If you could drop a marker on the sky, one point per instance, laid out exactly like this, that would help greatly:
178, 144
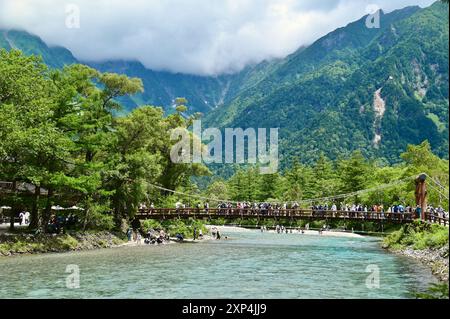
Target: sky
204, 37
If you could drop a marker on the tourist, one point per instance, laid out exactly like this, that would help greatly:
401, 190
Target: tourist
129, 233
21, 218
138, 238
418, 211
27, 218
152, 208
195, 233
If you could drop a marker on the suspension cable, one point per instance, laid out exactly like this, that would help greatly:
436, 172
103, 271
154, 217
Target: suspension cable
380, 187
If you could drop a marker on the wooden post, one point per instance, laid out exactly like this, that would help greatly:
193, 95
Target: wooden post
421, 194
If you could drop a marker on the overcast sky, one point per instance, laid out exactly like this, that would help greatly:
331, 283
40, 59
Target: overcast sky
189, 36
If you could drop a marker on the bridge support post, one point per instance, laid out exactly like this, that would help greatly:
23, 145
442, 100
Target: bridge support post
421, 195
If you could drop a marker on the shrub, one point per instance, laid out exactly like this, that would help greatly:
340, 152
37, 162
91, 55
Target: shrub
418, 235
149, 224
66, 242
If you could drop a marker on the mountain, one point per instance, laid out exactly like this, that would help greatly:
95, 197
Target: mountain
376, 90
161, 88
55, 57
373, 89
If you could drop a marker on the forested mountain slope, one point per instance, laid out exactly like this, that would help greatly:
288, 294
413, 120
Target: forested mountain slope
357, 88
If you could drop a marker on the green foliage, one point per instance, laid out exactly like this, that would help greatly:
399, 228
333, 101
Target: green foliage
151, 224
419, 236
58, 132
346, 175
435, 291
176, 226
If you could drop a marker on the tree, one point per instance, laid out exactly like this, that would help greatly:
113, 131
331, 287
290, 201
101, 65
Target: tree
298, 182
323, 183
420, 159
354, 173
33, 147
135, 159
218, 190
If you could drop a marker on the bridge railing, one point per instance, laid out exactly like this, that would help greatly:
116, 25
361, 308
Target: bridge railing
436, 219
282, 213
6, 185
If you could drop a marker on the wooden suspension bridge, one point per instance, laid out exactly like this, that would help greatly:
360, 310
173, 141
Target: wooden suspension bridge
422, 213
276, 214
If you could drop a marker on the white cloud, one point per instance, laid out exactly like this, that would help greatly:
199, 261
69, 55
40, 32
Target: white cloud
190, 36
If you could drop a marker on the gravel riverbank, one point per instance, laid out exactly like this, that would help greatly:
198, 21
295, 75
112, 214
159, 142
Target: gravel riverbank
436, 259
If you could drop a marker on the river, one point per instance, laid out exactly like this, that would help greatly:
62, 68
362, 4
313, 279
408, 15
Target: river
250, 264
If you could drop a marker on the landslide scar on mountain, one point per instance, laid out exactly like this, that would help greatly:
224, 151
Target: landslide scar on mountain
379, 106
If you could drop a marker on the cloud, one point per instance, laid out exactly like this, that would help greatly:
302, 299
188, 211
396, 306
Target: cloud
189, 36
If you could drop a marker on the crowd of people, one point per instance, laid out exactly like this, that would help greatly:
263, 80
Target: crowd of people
267, 208
59, 224
280, 229
151, 238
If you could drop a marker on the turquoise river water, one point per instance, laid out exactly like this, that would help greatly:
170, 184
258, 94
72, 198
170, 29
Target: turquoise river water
250, 264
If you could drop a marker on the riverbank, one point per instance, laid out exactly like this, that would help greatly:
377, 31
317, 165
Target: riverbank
435, 259
19, 244
425, 243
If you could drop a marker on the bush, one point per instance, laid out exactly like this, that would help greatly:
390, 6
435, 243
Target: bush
418, 235
150, 224
435, 291
66, 242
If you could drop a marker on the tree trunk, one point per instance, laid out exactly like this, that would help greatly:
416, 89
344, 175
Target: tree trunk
117, 210
13, 206
34, 217
48, 209
87, 210
89, 156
